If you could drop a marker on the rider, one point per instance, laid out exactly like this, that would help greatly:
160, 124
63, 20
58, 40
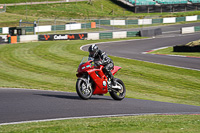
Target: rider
100, 58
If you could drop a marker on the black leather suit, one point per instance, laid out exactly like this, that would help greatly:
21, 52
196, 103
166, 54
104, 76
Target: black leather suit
102, 59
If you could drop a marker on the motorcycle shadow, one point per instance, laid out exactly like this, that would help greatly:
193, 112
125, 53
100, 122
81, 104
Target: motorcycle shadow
75, 97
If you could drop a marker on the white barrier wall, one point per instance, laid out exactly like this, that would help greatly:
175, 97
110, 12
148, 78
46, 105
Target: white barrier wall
120, 34
28, 38
186, 30
5, 30
144, 21
93, 36
117, 22
169, 20
45, 28
72, 26
191, 18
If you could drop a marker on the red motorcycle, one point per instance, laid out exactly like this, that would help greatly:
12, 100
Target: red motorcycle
92, 81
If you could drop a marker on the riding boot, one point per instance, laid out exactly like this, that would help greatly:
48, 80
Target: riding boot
112, 79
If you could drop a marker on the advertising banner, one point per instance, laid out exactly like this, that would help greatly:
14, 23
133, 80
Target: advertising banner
53, 37
45, 37
81, 36
62, 37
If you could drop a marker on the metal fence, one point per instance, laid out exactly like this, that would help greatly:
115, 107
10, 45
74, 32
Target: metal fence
59, 25
106, 25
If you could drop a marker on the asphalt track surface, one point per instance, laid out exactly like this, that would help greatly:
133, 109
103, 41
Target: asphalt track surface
22, 105
134, 49
28, 105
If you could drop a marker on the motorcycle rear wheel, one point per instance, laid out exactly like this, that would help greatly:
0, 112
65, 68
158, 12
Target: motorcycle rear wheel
82, 90
118, 94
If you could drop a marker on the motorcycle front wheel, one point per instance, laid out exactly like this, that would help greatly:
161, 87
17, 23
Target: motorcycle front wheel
82, 90
118, 94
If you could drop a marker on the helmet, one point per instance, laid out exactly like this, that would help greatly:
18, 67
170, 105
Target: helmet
93, 50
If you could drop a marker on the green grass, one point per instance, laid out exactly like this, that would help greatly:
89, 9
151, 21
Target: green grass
52, 66
98, 8
139, 124
79, 10
70, 10
12, 20
169, 51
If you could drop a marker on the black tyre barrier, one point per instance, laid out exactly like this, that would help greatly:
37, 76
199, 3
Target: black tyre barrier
1, 40
151, 32
184, 48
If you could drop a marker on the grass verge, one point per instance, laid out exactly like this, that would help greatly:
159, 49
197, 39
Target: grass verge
169, 51
52, 66
77, 10
98, 8
141, 124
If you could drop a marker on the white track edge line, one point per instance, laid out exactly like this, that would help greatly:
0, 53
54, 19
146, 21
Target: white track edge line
100, 116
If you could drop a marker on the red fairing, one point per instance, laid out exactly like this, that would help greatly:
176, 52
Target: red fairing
98, 79
84, 67
116, 68
97, 75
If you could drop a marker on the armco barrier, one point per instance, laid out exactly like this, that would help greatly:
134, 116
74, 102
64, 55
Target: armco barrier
28, 38
29, 29
72, 26
197, 28
191, 18
157, 21
144, 21
120, 34
57, 27
93, 36
186, 30
151, 32
180, 19
86, 25
45, 28
132, 33
169, 20
117, 22
106, 22
76, 26
107, 35
5, 30
81, 36
131, 22
149, 21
